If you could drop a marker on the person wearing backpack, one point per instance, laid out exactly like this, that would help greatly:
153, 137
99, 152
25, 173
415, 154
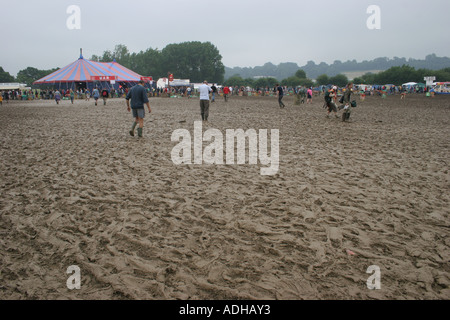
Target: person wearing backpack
329, 95
214, 91
347, 103
105, 95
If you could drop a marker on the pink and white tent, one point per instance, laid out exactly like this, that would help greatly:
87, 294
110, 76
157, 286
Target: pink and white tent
84, 70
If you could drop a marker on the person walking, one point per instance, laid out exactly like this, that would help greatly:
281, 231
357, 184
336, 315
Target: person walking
302, 95
57, 96
204, 91
348, 105
72, 95
188, 92
95, 95
6, 96
214, 91
309, 95
138, 96
403, 93
280, 95
226, 92
331, 106
105, 95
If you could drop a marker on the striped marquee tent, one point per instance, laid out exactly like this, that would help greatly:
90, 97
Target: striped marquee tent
85, 73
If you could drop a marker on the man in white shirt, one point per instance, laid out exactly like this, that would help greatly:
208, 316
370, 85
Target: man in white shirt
204, 90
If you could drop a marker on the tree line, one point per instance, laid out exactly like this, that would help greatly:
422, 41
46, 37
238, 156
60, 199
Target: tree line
28, 75
313, 70
395, 75
299, 79
399, 75
192, 60
200, 61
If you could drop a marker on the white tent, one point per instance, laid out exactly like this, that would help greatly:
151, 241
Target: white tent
162, 83
409, 84
13, 86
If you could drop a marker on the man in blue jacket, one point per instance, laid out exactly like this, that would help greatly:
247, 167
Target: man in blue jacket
138, 96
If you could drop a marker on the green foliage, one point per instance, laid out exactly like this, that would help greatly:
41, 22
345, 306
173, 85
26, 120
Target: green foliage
194, 60
339, 80
296, 82
300, 74
30, 74
306, 83
5, 76
442, 75
234, 81
148, 63
291, 82
323, 80
313, 70
265, 82
279, 72
240, 82
403, 74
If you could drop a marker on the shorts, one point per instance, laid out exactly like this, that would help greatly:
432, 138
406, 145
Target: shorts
138, 113
331, 107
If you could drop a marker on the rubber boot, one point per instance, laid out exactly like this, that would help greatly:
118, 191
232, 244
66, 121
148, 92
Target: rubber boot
344, 116
348, 116
132, 129
139, 130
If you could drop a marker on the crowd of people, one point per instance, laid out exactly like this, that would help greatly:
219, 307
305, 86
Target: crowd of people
301, 94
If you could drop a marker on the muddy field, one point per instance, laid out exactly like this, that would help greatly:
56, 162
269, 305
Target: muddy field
78, 190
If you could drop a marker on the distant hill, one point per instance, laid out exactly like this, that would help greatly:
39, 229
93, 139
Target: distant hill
351, 68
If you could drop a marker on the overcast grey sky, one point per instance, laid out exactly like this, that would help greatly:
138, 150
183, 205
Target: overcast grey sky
246, 32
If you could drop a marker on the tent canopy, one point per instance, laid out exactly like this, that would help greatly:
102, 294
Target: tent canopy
13, 86
83, 70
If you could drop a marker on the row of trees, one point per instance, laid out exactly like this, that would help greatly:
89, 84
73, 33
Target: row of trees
299, 79
193, 60
28, 75
200, 61
403, 74
394, 75
5, 76
313, 70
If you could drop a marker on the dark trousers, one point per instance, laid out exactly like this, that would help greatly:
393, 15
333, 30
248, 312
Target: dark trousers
204, 109
281, 102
